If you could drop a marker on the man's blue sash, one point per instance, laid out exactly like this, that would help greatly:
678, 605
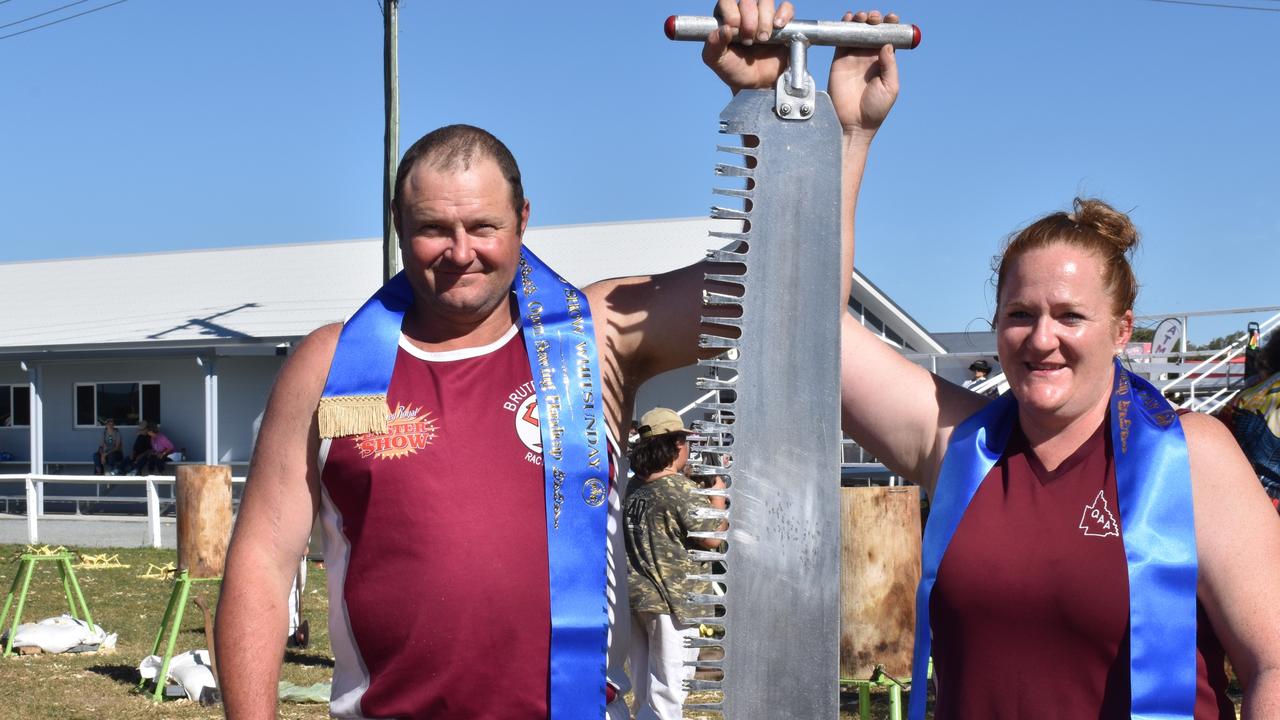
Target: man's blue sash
560, 342
1153, 486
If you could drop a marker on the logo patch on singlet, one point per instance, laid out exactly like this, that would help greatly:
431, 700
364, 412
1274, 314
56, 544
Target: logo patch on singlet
522, 403
408, 431
1097, 520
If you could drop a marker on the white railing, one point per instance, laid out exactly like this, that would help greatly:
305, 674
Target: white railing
1213, 365
35, 497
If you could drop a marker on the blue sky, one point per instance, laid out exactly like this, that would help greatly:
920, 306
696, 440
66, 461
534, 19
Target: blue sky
158, 125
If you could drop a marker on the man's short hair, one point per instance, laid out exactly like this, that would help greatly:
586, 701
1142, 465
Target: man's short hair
456, 147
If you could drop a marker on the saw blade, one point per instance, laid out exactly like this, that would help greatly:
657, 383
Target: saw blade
773, 425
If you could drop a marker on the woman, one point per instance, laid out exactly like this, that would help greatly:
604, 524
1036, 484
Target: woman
108, 456
1062, 513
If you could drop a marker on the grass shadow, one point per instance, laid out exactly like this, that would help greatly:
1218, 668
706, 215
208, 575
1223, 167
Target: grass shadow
297, 658
124, 674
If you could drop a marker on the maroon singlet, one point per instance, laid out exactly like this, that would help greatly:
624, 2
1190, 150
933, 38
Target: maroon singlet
438, 566
1030, 610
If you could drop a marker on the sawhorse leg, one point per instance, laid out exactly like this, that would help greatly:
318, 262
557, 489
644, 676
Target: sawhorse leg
171, 624
25, 569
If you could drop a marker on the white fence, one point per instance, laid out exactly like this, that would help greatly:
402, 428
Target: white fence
35, 497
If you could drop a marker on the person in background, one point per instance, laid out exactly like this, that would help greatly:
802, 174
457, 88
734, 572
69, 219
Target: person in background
141, 454
662, 513
1254, 418
980, 369
161, 448
109, 455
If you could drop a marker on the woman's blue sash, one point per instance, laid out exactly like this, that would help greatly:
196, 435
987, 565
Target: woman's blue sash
560, 342
1153, 485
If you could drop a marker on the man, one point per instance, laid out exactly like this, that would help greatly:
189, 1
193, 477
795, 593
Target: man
660, 516
980, 370
439, 577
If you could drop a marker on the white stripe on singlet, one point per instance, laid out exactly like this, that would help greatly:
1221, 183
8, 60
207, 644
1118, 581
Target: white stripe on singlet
350, 676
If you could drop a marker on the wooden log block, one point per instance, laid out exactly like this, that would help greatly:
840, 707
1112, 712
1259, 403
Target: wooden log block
880, 551
204, 518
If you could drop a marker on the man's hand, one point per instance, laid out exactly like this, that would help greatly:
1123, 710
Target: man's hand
864, 83
744, 64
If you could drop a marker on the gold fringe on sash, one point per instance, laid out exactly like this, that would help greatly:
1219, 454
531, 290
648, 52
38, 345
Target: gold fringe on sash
352, 415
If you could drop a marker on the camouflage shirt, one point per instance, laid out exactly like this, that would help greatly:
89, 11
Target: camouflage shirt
659, 515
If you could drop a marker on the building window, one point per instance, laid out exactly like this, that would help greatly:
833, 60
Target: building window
125, 402
15, 405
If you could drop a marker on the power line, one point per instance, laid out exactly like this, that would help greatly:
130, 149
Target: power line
46, 12
1218, 5
62, 20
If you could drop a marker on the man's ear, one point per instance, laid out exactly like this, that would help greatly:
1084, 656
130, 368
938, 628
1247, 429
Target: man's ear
524, 217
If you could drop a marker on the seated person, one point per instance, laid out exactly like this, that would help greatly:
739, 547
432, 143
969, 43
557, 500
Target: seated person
108, 456
141, 450
161, 447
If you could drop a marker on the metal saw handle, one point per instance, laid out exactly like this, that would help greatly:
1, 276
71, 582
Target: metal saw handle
816, 32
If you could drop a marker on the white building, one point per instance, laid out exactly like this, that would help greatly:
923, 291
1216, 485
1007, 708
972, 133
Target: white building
193, 339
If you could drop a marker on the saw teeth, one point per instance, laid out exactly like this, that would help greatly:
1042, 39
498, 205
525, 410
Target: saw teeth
731, 192
715, 406
704, 469
714, 535
701, 642
706, 556
708, 577
711, 427
726, 235
737, 150
726, 278
704, 685
726, 256
715, 342
725, 170
704, 383
722, 213
714, 298
725, 321
718, 362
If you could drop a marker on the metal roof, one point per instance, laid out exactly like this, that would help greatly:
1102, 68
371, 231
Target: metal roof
247, 297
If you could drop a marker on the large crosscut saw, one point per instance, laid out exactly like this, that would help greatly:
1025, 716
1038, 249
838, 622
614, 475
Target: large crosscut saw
773, 430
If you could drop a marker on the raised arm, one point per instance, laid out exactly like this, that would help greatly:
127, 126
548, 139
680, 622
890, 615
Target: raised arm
271, 532
1238, 541
652, 323
897, 410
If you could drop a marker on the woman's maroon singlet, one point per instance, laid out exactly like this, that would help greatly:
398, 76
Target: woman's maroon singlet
1030, 610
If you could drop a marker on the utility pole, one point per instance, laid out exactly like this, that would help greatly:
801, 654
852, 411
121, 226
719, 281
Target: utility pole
391, 138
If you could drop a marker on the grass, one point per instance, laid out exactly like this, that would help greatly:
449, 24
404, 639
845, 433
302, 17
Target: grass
74, 686
84, 686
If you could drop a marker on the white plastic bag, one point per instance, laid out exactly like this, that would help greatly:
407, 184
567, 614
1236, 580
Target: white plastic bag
60, 634
190, 670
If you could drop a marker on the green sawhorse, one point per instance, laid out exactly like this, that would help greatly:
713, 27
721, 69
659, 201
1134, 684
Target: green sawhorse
171, 622
881, 679
26, 567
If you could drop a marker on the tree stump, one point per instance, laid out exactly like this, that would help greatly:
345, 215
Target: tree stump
880, 552
204, 518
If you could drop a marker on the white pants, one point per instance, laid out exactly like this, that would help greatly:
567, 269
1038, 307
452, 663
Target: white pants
295, 596
657, 658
